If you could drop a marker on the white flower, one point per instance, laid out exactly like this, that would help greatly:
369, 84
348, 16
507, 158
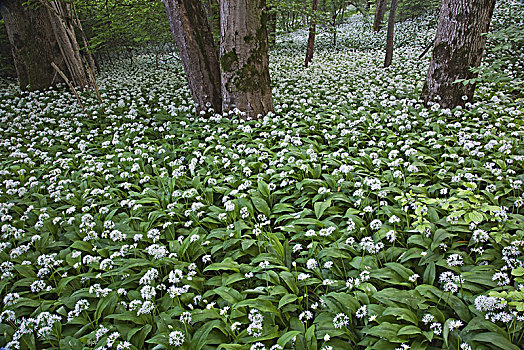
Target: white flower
176, 338
455, 260
454, 324
361, 312
340, 320
413, 278
185, 317
311, 264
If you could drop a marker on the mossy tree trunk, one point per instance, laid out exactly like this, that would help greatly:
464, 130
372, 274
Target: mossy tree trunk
33, 44
389, 36
380, 10
244, 57
194, 40
311, 38
459, 45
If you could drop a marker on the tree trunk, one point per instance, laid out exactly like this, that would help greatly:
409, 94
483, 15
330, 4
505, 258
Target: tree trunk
42, 33
311, 37
197, 50
389, 37
244, 58
33, 44
61, 17
379, 14
334, 24
87, 53
459, 45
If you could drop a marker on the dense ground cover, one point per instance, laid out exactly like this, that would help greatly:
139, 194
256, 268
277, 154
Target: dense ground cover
352, 215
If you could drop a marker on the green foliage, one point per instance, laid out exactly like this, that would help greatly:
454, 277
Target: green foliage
352, 217
415, 8
117, 25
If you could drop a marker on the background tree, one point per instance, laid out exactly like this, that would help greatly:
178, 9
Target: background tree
311, 38
197, 50
244, 58
390, 34
380, 10
459, 45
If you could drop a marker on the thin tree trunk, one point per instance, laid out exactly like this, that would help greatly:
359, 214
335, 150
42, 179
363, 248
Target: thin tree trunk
197, 50
311, 37
389, 37
87, 53
459, 45
379, 14
61, 17
33, 44
334, 24
244, 58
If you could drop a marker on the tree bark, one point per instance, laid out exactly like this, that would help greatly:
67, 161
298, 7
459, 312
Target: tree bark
197, 50
42, 33
61, 17
311, 37
244, 57
33, 44
379, 14
459, 45
389, 37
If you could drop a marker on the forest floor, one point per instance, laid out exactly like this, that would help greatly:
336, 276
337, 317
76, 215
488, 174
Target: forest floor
350, 215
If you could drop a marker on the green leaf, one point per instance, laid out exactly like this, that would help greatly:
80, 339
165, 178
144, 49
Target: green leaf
403, 271
70, 343
311, 340
341, 302
263, 189
286, 337
200, 337
518, 272
290, 281
261, 205
499, 341
286, 299
429, 273
276, 245
320, 208
228, 294
475, 216
226, 264
384, 330
401, 314
409, 330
